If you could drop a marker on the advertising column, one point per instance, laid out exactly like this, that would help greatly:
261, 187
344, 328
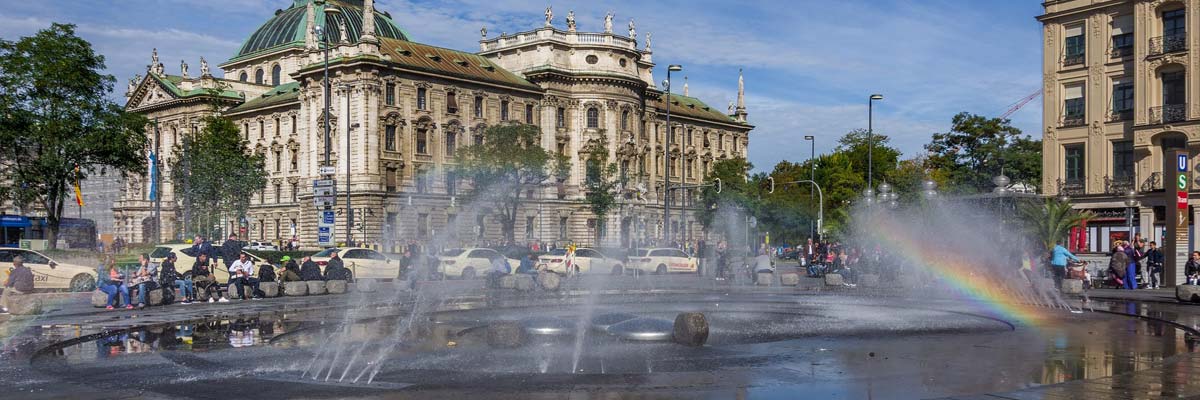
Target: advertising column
1175, 241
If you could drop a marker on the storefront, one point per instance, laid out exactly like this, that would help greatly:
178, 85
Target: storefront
13, 228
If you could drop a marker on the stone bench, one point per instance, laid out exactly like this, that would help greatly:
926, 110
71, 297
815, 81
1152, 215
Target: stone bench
295, 288
335, 287
764, 278
810, 283
834, 280
364, 286
24, 304
100, 299
1188, 293
789, 279
547, 280
868, 280
269, 289
315, 287
1072, 286
508, 282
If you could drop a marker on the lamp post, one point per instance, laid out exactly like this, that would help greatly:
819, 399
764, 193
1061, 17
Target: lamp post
667, 158
1131, 204
345, 88
870, 137
812, 175
887, 197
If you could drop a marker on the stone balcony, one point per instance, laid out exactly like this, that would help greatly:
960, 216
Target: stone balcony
505, 41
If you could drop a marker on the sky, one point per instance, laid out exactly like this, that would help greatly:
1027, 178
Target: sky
809, 65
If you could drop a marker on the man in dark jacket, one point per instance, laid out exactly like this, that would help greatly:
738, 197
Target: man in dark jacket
1154, 264
231, 250
335, 269
1191, 270
310, 271
203, 279
290, 271
20, 281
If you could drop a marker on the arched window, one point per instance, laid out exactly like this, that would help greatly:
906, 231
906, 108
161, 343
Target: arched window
593, 117
275, 73
258, 76
422, 147
625, 120
243, 77
450, 143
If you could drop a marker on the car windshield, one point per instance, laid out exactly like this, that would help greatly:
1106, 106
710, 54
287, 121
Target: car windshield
558, 252
640, 252
326, 252
160, 252
452, 252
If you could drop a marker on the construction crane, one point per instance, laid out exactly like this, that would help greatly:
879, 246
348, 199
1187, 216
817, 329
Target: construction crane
1021, 103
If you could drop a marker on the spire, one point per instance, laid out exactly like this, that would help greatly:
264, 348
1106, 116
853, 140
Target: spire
310, 17
740, 112
685, 86
368, 25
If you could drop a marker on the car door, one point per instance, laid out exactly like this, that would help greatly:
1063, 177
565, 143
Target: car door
44, 277
481, 260
378, 264
356, 261
587, 260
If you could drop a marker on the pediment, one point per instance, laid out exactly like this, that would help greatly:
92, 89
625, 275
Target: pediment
149, 92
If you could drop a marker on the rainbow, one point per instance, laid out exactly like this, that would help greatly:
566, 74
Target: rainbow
1004, 297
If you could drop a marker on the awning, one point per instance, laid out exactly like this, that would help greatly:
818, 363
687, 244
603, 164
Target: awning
14, 221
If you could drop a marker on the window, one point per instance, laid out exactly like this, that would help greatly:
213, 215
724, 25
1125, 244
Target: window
504, 110
278, 160
451, 183
295, 159
478, 138
688, 169
389, 138
721, 141
1073, 106
562, 227
275, 75
422, 182
293, 124
1173, 88
389, 94
529, 227
1122, 99
480, 229
1174, 24
277, 124
423, 225
478, 107
593, 117
450, 143
560, 118
625, 120
420, 98
258, 76
246, 131
592, 59
1073, 155
243, 77
295, 192
421, 144
1122, 45
451, 102
592, 172
688, 138
1123, 159
1075, 45
389, 179
529, 114
278, 193
262, 130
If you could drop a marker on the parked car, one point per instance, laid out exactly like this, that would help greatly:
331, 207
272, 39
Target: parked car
470, 262
47, 273
262, 246
184, 261
661, 261
362, 262
587, 261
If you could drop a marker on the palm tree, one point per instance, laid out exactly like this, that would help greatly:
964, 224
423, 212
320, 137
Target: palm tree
1050, 222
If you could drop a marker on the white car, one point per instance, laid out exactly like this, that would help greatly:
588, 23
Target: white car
48, 274
184, 262
662, 261
587, 261
470, 262
262, 246
362, 262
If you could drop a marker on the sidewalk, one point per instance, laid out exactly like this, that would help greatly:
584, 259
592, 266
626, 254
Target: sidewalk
1166, 295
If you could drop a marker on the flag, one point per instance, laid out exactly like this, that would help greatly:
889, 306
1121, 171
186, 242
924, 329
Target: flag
153, 176
78, 190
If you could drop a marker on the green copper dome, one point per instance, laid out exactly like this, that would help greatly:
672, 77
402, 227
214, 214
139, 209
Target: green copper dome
288, 27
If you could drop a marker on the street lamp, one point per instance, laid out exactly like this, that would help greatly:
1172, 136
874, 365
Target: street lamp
870, 136
1131, 204
667, 158
929, 189
812, 175
887, 197
345, 88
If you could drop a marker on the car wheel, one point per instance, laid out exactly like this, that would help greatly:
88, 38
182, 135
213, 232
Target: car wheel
618, 270
468, 273
83, 283
661, 270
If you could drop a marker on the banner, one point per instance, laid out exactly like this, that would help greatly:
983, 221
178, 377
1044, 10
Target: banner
78, 190
153, 176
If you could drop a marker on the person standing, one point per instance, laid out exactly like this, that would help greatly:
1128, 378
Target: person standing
1154, 264
20, 281
1058, 262
201, 246
231, 251
1131, 269
241, 273
1117, 264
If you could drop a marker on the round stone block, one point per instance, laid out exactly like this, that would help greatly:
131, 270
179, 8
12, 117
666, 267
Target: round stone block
1072, 286
24, 305
295, 288
315, 287
508, 282
764, 278
270, 289
834, 280
789, 279
335, 287
549, 280
1190, 293
100, 299
506, 334
691, 329
154, 297
868, 280
363, 286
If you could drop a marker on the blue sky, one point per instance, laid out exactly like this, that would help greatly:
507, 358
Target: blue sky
809, 64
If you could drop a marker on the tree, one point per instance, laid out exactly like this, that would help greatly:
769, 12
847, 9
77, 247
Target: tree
856, 147
508, 162
215, 172
56, 116
791, 210
600, 183
737, 193
1049, 222
977, 147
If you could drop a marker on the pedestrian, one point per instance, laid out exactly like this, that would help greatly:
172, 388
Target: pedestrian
170, 278
1154, 264
143, 279
310, 271
702, 255
201, 246
1058, 262
241, 273
203, 279
1191, 270
231, 251
1117, 264
110, 281
20, 281
1131, 270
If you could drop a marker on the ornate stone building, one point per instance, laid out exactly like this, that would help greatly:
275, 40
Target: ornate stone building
399, 110
1119, 92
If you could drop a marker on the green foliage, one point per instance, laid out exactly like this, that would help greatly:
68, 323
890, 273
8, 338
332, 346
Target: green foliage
215, 172
1049, 222
509, 161
736, 191
856, 146
600, 182
55, 115
975, 149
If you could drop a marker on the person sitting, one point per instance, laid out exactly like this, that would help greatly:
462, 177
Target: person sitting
143, 279
203, 279
527, 265
111, 282
499, 268
170, 278
310, 271
290, 271
1191, 270
335, 270
267, 274
241, 273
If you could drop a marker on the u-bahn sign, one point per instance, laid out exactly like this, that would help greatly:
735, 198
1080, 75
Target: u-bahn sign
1175, 240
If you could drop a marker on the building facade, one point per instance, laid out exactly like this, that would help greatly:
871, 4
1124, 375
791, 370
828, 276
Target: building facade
399, 111
1119, 92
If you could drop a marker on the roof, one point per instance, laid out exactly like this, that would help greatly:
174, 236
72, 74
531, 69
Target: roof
172, 82
450, 62
288, 27
692, 107
281, 94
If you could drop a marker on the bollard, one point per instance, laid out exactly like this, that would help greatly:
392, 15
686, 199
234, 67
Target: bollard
691, 329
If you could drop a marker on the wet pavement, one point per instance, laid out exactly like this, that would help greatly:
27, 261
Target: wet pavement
771, 342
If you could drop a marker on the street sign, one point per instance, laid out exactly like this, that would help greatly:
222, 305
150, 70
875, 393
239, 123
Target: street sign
324, 236
323, 183
328, 170
327, 218
324, 192
324, 201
